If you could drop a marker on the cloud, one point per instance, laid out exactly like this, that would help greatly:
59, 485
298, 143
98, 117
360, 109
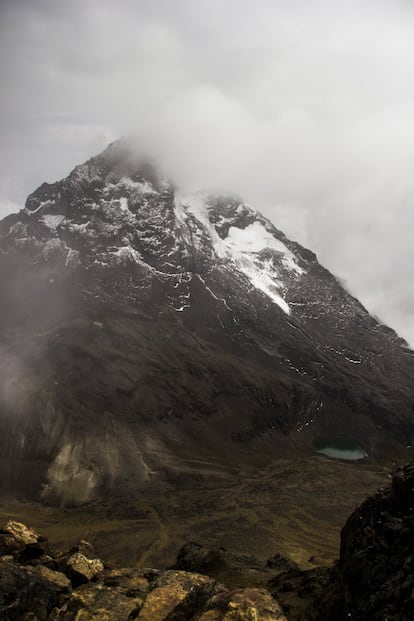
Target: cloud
305, 108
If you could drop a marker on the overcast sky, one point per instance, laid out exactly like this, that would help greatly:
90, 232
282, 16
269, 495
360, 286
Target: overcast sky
304, 107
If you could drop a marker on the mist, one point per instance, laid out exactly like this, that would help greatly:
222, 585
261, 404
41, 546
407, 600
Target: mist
303, 108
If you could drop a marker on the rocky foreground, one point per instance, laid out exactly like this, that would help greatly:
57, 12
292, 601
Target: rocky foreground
373, 579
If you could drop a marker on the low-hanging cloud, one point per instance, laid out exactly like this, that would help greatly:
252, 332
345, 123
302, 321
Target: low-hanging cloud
304, 108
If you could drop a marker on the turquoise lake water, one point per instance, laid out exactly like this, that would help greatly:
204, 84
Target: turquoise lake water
340, 448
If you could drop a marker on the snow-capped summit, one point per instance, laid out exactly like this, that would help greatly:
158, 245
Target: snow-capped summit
156, 318
114, 210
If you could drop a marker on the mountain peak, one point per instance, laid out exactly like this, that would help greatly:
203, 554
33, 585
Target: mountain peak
116, 209
203, 319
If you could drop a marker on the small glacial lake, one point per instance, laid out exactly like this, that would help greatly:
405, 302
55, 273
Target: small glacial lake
340, 448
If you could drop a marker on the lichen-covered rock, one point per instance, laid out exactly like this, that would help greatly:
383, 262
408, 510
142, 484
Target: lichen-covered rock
81, 569
76, 586
131, 582
55, 578
26, 590
98, 602
242, 605
20, 532
23, 544
9, 546
15, 537
85, 548
178, 595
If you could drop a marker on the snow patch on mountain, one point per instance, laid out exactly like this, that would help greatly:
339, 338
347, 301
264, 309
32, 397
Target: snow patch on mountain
256, 237
263, 277
128, 252
242, 246
126, 183
123, 203
47, 203
130, 221
52, 221
72, 258
211, 292
81, 229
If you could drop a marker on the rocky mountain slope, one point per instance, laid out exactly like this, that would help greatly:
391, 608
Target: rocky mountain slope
137, 323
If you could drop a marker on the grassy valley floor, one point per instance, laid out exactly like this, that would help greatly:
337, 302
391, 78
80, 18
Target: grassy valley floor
295, 507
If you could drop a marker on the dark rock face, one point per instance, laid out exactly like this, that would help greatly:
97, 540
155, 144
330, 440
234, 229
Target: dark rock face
194, 557
303, 594
135, 322
25, 590
374, 577
232, 569
376, 567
